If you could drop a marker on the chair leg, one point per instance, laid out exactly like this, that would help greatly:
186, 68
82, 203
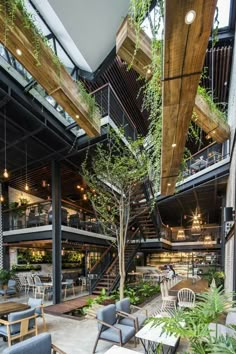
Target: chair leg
96, 343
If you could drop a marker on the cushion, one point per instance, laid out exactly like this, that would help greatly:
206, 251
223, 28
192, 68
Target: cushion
123, 305
15, 328
128, 322
231, 318
114, 336
35, 303
40, 344
107, 314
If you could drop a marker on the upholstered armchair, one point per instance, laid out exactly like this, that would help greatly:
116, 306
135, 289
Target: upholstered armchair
110, 330
123, 307
37, 305
36, 345
18, 325
11, 288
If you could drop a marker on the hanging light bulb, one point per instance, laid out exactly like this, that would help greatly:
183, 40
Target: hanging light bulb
5, 172
26, 171
1, 198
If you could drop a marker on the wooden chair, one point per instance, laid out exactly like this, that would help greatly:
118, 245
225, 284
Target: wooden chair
18, 325
37, 305
37, 345
186, 298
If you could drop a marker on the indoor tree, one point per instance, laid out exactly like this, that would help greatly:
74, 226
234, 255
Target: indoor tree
113, 174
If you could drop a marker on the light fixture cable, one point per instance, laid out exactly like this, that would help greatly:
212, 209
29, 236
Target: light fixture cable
5, 173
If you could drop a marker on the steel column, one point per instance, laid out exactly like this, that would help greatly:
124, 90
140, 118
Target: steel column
56, 231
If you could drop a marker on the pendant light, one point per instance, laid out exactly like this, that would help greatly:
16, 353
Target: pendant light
26, 172
181, 235
5, 172
196, 224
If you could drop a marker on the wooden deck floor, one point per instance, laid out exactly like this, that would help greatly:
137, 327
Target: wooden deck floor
68, 306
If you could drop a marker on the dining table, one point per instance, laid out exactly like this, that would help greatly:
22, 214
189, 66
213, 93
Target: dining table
12, 306
198, 286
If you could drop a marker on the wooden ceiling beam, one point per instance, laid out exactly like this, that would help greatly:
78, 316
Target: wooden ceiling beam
47, 71
184, 53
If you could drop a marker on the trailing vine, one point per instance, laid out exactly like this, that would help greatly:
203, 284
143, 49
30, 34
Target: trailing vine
89, 101
206, 94
9, 9
151, 90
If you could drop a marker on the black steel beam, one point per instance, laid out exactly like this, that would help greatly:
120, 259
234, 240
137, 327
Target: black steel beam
56, 231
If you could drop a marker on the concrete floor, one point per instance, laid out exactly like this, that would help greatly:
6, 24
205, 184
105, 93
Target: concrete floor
78, 336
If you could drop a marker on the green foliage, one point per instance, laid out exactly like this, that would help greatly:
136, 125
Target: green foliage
113, 172
151, 90
9, 8
193, 324
213, 106
26, 267
217, 275
6, 275
89, 101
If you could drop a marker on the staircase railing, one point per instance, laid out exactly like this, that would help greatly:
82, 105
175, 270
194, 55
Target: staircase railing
115, 281
162, 230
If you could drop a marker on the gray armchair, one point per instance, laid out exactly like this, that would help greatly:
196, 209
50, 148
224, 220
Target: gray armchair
123, 307
18, 325
36, 345
11, 288
110, 330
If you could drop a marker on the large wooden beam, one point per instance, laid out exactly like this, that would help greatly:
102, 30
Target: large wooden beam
215, 127
206, 119
126, 48
184, 53
52, 76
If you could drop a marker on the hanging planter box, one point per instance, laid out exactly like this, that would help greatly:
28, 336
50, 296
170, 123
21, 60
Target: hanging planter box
210, 121
126, 44
51, 75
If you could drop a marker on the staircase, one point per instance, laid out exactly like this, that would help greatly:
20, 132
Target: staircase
110, 278
148, 225
146, 217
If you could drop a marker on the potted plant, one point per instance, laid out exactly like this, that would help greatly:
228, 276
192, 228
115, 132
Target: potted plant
5, 275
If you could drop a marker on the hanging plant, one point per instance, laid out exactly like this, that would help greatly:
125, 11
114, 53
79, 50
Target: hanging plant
151, 90
89, 100
9, 9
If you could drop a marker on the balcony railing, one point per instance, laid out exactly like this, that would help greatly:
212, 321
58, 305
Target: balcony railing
204, 158
40, 214
208, 235
111, 106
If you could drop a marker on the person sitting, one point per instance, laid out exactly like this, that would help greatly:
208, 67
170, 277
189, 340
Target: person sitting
171, 272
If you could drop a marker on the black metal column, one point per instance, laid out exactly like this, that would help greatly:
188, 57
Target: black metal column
56, 231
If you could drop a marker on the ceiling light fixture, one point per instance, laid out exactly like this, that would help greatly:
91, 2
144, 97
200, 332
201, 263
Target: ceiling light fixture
1, 198
168, 184
181, 234
5, 172
196, 224
173, 145
18, 52
190, 17
149, 71
77, 116
26, 171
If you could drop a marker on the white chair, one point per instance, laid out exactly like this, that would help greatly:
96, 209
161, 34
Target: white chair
69, 285
167, 300
186, 298
31, 285
23, 282
83, 281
